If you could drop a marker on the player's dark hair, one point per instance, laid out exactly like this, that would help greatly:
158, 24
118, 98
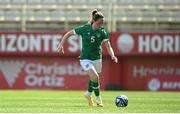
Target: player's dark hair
96, 15
94, 11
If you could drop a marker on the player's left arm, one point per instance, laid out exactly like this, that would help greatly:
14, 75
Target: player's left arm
110, 51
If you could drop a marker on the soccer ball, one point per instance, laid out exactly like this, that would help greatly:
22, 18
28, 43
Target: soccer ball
121, 101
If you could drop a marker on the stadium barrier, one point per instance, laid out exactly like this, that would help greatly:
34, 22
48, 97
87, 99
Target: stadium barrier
147, 61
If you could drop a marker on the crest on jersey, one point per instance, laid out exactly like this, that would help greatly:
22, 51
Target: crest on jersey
98, 35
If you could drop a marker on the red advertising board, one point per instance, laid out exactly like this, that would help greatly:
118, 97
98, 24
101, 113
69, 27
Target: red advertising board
44, 73
151, 73
146, 43
123, 43
147, 61
38, 44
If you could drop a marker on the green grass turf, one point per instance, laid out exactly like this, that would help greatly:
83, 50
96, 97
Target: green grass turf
73, 101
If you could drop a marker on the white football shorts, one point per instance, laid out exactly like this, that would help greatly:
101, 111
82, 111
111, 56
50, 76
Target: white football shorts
87, 64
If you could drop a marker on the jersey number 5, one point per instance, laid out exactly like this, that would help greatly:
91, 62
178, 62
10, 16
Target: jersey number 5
92, 39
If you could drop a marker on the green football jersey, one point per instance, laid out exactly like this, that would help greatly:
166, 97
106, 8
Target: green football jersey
91, 41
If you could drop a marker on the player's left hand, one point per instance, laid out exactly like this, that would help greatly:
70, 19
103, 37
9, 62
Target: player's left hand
114, 58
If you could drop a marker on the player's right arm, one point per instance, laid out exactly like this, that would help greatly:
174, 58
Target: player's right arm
65, 37
76, 31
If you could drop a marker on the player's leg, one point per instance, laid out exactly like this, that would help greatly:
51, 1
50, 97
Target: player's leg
98, 67
94, 77
90, 89
87, 65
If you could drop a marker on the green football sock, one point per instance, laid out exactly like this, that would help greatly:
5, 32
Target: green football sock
96, 88
90, 84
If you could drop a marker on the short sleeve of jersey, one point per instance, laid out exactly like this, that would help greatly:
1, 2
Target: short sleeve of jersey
105, 35
78, 30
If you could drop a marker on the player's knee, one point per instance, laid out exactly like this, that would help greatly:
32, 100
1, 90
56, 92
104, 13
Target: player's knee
95, 78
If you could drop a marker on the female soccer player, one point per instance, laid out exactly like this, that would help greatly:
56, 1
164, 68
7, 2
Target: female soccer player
93, 35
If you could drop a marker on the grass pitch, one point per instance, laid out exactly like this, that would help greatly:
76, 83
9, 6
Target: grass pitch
74, 101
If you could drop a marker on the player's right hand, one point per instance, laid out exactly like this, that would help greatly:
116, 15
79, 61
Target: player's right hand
60, 48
